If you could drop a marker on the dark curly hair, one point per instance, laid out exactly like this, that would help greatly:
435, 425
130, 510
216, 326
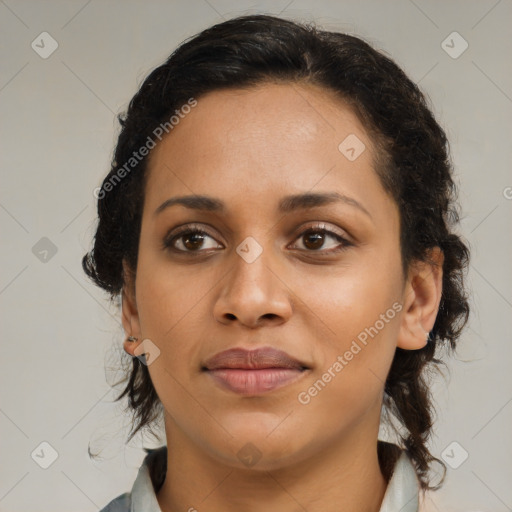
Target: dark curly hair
411, 159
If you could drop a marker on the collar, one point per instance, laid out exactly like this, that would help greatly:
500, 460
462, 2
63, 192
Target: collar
402, 492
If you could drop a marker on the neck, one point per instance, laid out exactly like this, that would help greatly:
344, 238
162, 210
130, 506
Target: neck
346, 476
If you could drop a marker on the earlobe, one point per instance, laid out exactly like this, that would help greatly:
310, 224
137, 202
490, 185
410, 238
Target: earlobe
412, 336
422, 297
131, 345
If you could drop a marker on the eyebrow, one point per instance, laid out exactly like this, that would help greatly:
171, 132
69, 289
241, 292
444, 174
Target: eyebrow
286, 204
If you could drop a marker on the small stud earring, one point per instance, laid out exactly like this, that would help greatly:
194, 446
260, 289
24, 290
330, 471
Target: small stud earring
131, 338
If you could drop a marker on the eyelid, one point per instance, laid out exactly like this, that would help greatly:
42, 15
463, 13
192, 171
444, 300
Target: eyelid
323, 226
189, 227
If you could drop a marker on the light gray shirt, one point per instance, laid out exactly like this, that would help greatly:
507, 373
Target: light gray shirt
402, 492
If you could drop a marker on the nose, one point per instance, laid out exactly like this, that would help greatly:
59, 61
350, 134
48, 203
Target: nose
253, 294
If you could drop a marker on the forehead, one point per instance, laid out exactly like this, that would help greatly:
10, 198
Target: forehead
258, 142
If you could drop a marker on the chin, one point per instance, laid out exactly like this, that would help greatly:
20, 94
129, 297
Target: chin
257, 449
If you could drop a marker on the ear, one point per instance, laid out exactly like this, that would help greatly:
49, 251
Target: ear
421, 299
131, 322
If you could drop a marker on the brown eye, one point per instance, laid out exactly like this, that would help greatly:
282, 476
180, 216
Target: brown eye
196, 241
315, 238
192, 241
189, 240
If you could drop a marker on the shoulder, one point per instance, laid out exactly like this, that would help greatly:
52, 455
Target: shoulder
402, 492
149, 479
120, 504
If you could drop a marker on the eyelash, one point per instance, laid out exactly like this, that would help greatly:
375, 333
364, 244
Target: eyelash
168, 243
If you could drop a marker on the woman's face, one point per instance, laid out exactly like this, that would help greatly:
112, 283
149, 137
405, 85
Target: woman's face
260, 276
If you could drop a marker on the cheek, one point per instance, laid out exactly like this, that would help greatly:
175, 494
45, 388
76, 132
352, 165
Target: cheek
360, 305
167, 294
355, 357
351, 298
170, 315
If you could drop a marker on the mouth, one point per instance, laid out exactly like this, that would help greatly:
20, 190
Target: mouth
254, 372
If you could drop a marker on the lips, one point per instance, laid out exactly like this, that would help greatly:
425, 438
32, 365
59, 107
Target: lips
254, 372
258, 359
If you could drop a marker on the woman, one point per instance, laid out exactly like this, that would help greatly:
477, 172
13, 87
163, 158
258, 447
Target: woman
278, 222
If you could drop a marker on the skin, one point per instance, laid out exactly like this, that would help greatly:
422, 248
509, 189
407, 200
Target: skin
250, 148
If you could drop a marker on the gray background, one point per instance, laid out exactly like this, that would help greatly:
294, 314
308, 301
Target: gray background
60, 337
